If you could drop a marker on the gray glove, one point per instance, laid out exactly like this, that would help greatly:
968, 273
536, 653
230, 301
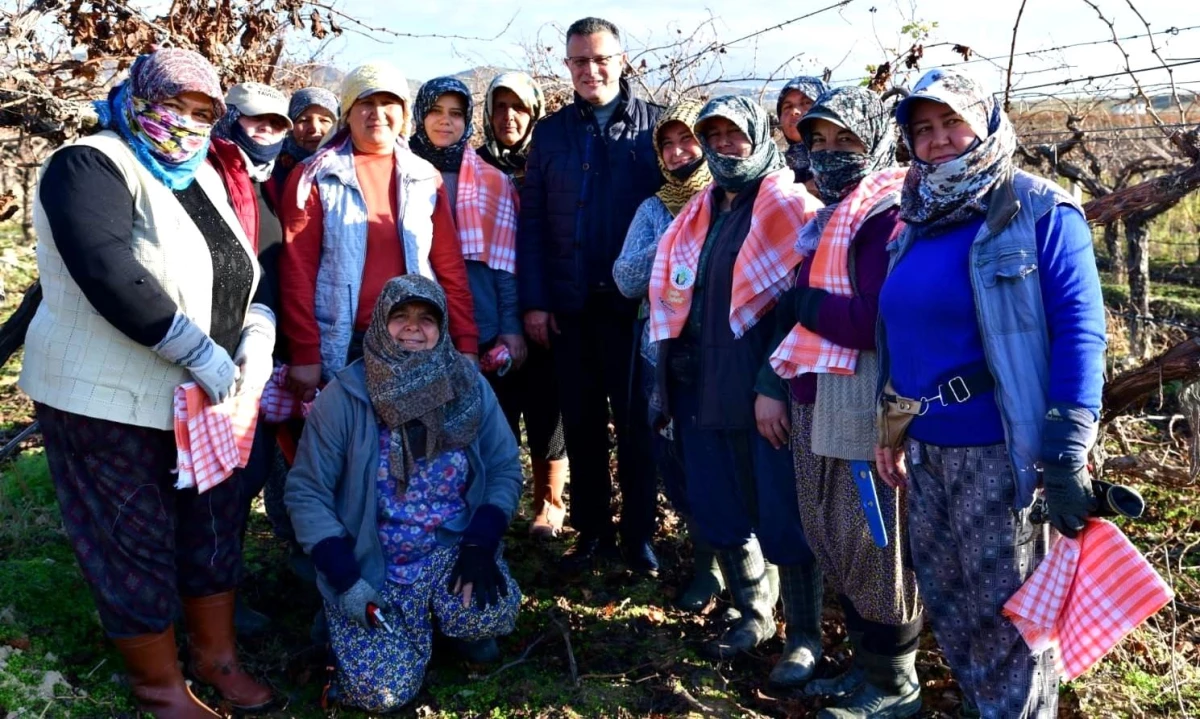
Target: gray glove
254, 352
1068, 492
353, 602
190, 347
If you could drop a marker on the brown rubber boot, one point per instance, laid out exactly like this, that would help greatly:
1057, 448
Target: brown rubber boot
549, 478
158, 686
213, 654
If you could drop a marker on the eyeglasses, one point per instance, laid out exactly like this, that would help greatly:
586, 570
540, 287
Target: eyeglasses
582, 63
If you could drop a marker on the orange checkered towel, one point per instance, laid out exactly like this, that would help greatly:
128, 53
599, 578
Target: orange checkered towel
1085, 596
763, 267
212, 441
803, 350
486, 214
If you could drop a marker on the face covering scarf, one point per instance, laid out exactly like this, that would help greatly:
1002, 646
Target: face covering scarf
939, 196
170, 146
682, 182
737, 173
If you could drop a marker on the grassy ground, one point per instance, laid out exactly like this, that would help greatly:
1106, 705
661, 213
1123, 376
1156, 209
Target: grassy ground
630, 655
605, 644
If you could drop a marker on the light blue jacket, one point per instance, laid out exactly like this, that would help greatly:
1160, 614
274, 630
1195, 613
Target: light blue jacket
344, 241
331, 487
1017, 341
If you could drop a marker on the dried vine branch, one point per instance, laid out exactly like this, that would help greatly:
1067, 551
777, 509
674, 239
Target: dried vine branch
1012, 49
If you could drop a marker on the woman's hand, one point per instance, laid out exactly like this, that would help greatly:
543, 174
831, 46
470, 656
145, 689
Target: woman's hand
771, 416
517, 348
477, 574
890, 464
303, 380
353, 602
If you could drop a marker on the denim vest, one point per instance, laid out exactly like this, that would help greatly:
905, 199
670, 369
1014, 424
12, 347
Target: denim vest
344, 242
1012, 321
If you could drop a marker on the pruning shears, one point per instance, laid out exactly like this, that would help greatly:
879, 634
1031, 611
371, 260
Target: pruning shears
375, 615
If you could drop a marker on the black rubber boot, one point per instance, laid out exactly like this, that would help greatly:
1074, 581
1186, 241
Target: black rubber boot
746, 577
801, 588
845, 683
890, 692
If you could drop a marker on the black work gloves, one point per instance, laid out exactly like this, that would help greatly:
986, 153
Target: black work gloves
1068, 492
1068, 434
476, 567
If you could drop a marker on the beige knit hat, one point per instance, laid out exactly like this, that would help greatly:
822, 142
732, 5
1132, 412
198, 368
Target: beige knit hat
372, 78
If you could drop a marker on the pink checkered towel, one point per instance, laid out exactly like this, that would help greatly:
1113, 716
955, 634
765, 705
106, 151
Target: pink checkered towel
1085, 596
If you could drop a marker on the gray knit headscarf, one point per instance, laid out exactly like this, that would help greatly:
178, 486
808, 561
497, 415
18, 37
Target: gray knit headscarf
437, 388
737, 173
860, 111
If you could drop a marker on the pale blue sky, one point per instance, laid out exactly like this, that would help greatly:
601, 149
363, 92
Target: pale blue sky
846, 39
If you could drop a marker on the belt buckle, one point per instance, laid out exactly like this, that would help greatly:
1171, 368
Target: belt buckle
955, 392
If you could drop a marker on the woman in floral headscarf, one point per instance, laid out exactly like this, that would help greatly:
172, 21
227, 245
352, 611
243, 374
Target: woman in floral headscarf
513, 106
405, 482
828, 357
150, 281
795, 99
684, 171
720, 268
1004, 364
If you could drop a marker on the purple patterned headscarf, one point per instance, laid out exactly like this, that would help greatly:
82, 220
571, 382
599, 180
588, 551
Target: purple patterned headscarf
170, 146
172, 71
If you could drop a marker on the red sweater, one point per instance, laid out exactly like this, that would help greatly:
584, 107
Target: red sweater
302, 230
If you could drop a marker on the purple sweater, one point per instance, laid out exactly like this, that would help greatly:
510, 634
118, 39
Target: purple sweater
846, 321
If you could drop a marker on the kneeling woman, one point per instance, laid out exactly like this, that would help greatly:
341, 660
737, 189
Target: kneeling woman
405, 481
720, 268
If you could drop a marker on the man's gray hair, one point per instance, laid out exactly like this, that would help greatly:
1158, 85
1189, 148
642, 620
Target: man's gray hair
591, 26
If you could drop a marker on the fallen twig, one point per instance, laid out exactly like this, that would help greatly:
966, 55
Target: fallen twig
1174, 635
519, 660
680, 691
89, 674
566, 635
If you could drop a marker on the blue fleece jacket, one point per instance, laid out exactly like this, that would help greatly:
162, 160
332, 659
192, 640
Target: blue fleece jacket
933, 333
331, 490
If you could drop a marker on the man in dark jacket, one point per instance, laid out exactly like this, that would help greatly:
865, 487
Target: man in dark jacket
591, 165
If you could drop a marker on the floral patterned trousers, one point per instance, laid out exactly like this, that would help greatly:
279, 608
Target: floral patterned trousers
380, 671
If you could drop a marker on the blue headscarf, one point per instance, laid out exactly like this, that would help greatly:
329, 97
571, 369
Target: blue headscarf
445, 159
293, 153
301, 100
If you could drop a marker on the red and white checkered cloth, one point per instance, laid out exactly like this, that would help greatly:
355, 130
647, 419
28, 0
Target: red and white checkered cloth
486, 214
212, 441
761, 272
278, 402
1085, 596
804, 351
